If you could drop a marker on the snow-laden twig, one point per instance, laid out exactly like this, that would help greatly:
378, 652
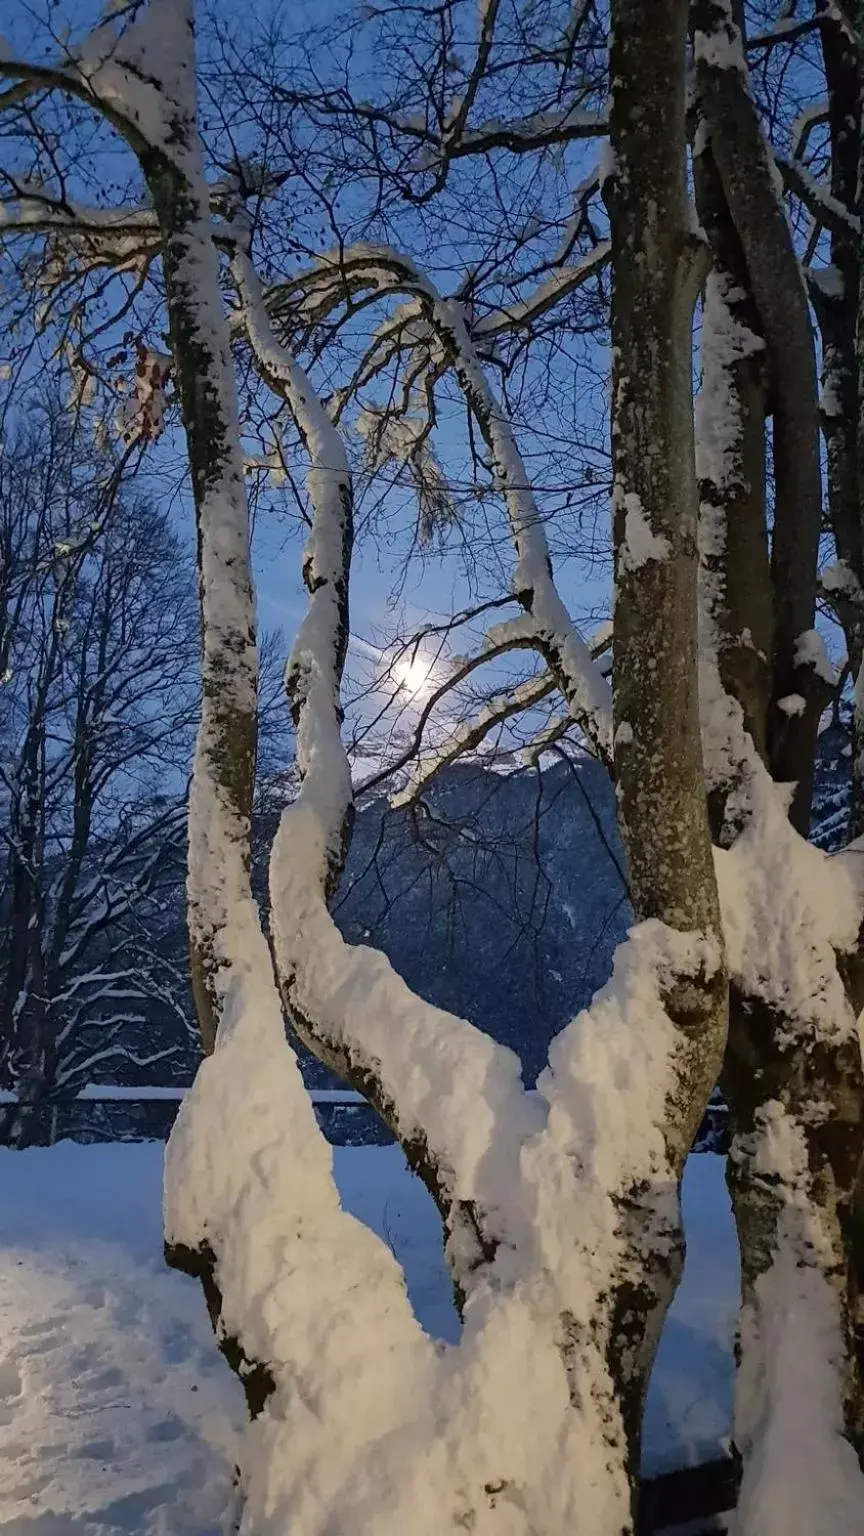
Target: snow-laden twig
499, 641
813, 116
380, 269
584, 688
536, 131
816, 196
34, 209
502, 706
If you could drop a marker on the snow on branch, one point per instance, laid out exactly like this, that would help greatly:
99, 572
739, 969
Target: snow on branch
467, 736
816, 196
841, 590
544, 741
546, 294
339, 276
787, 30
34, 208
500, 707
113, 237
444, 1086
516, 634
812, 117
523, 135
584, 688
76, 1071
134, 75
381, 269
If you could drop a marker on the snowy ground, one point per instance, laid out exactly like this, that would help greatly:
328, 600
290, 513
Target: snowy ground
117, 1414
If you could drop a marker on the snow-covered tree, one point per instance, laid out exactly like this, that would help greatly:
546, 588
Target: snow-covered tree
793, 1069
560, 1207
99, 699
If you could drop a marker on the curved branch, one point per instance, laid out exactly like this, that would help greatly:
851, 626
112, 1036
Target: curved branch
816, 197
467, 736
417, 1064
524, 638
497, 709
555, 287
586, 691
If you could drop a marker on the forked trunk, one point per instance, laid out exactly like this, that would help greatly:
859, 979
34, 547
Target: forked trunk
792, 1074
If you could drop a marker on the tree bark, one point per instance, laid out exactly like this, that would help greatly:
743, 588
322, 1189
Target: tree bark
657, 737
228, 953
745, 166
792, 1073
736, 589
835, 299
223, 779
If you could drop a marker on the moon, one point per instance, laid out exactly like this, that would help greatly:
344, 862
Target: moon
414, 675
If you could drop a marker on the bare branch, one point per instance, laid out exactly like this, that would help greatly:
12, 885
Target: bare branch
466, 737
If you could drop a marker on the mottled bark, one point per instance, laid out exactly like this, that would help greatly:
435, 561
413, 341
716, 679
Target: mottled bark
792, 1072
837, 303
736, 591
220, 800
225, 759
659, 770
773, 1060
745, 166
657, 740
843, 55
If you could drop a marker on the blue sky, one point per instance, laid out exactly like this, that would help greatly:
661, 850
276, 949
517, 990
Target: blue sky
385, 597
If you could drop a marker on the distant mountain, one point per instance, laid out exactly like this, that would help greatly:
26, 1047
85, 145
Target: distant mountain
501, 899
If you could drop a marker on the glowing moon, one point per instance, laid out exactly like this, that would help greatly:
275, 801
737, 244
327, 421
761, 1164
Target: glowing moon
414, 675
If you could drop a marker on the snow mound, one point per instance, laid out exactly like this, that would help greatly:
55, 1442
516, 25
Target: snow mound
118, 1417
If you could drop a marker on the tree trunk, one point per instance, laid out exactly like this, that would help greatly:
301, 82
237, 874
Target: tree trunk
223, 778
736, 590
747, 173
657, 738
230, 961
835, 298
792, 1073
